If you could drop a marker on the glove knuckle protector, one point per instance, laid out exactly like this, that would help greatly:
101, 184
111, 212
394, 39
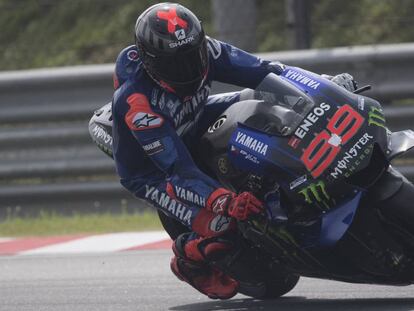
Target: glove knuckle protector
225, 202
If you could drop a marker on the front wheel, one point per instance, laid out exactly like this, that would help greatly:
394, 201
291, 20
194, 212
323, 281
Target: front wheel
278, 288
270, 289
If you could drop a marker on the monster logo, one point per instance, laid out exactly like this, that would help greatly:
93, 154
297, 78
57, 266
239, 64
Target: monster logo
316, 191
376, 117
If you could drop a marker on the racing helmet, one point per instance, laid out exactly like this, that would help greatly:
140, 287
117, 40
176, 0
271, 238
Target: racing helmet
172, 47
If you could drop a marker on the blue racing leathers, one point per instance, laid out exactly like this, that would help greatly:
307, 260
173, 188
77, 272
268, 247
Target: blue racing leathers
152, 128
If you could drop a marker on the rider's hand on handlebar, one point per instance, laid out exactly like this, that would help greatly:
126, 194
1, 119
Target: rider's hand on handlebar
239, 206
276, 67
346, 81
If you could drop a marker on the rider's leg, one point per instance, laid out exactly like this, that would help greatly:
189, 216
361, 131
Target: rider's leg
191, 263
193, 253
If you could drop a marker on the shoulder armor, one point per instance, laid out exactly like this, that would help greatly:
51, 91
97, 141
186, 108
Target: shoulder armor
214, 47
126, 65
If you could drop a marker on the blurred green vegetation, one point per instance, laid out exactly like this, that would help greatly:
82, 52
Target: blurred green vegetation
50, 224
41, 33
354, 22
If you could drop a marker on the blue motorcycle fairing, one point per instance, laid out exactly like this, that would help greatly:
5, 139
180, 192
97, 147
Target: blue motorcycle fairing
306, 81
254, 150
324, 231
311, 137
337, 221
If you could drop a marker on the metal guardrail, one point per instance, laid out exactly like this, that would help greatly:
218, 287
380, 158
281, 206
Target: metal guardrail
47, 160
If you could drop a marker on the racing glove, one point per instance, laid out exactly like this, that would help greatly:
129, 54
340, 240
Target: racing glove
345, 80
239, 206
275, 67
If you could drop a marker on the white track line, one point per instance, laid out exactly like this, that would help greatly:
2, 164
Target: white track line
101, 243
6, 239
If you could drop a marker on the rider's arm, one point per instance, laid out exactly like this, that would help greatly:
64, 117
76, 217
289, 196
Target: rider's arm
185, 192
125, 65
235, 66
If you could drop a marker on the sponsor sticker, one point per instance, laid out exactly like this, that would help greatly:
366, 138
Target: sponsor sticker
326, 145
180, 34
102, 134
251, 143
132, 55
217, 124
361, 103
179, 43
316, 193
249, 157
354, 155
223, 165
219, 223
170, 205
297, 182
214, 47
294, 142
220, 204
140, 116
302, 79
311, 119
189, 196
234, 149
376, 117
154, 147
143, 119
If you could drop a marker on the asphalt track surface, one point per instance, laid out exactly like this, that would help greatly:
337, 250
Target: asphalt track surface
142, 280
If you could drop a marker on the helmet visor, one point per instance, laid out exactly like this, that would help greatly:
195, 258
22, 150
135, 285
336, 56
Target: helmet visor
185, 67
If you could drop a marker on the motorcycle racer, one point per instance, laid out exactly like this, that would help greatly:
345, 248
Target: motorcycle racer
160, 107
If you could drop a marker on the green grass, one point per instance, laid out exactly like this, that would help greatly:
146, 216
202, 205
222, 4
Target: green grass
49, 224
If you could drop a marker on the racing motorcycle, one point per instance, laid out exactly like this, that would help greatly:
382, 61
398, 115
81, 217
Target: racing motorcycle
319, 156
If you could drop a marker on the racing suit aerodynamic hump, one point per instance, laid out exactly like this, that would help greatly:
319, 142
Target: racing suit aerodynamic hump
152, 128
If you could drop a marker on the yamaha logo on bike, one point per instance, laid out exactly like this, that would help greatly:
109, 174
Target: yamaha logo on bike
302, 79
251, 143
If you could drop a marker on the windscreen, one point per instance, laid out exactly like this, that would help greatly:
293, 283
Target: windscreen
291, 105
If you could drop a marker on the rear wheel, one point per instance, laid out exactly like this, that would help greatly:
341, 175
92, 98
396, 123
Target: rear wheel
400, 207
398, 216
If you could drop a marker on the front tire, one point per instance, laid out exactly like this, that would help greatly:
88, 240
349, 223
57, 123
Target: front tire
270, 289
278, 288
